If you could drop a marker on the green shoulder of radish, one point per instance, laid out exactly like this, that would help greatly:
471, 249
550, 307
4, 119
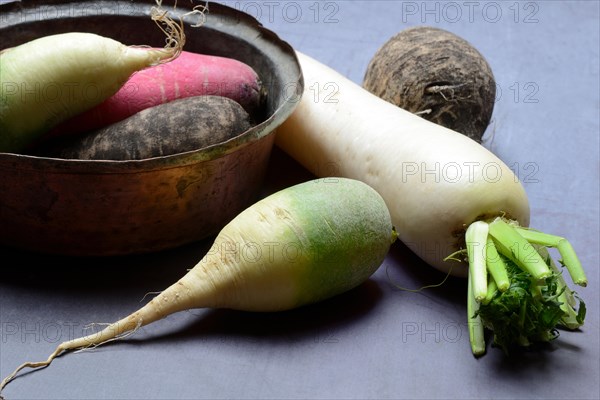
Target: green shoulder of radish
453, 202
298, 246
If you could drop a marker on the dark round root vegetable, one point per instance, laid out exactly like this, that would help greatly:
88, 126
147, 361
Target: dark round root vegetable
181, 125
437, 75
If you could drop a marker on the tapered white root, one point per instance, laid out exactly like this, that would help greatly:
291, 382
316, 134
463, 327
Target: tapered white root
115, 331
39, 364
173, 299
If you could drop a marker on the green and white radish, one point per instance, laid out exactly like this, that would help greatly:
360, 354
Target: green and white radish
439, 185
298, 246
53, 78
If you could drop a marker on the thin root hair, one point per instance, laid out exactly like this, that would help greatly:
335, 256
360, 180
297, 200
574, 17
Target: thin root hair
430, 286
120, 336
174, 30
63, 347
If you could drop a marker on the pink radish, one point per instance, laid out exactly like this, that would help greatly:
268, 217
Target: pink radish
189, 75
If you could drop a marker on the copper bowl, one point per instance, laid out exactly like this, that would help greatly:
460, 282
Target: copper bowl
92, 208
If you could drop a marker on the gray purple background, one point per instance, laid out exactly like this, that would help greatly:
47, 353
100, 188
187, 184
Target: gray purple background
374, 342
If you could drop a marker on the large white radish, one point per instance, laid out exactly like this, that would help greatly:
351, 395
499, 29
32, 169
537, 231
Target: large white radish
436, 182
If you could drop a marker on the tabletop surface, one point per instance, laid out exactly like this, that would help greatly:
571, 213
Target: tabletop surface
376, 341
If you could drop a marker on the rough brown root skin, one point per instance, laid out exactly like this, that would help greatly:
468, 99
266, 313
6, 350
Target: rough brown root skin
180, 125
436, 75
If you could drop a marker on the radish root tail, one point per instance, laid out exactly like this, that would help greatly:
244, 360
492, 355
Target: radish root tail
33, 365
119, 336
174, 30
81, 344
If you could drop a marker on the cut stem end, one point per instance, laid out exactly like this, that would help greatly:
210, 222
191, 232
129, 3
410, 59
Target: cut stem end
524, 297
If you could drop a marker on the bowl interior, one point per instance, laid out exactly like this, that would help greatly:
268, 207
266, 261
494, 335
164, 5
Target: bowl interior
97, 207
226, 32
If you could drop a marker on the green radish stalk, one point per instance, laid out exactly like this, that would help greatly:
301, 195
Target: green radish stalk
50, 79
447, 195
298, 246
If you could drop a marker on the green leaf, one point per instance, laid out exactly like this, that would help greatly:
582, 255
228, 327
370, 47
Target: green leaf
527, 312
581, 312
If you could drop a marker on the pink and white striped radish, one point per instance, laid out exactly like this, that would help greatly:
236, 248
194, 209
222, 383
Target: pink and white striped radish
447, 194
189, 75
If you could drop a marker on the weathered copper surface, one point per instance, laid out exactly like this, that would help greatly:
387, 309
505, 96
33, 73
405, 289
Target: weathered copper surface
78, 207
